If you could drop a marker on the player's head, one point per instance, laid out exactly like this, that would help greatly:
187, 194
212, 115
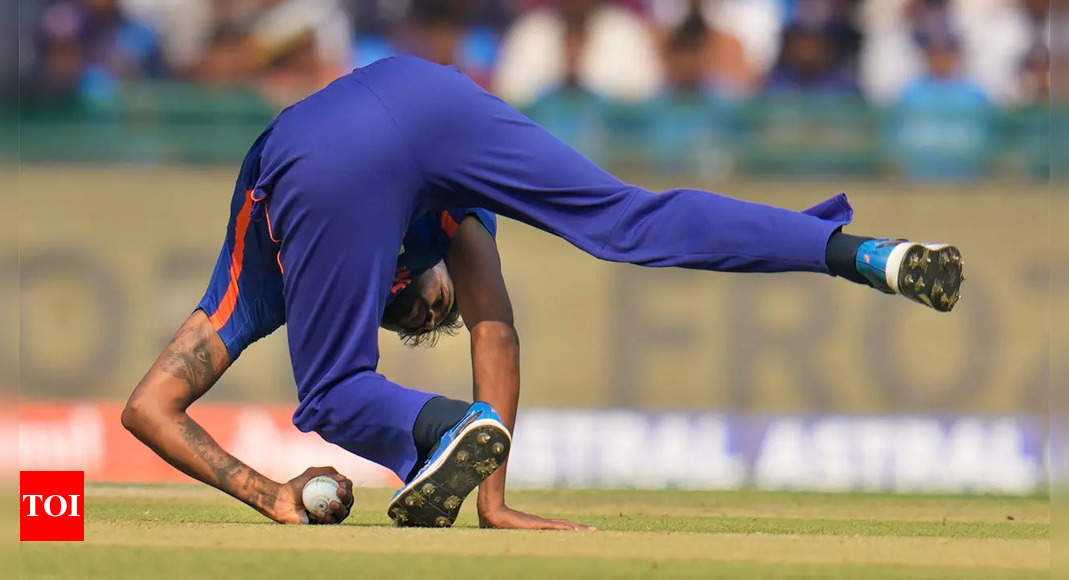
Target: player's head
425, 309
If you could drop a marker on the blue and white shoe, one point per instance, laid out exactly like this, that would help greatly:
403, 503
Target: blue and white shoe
465, 456
927, 273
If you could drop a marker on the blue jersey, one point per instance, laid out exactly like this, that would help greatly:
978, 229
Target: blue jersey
352, 182
244, 300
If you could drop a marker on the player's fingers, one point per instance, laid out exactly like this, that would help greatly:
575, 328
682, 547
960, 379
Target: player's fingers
341, 479
345, 494
325, 519
344, 483
340, 511
570, 526
315, 472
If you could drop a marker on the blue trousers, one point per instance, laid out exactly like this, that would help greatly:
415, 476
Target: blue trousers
335, 180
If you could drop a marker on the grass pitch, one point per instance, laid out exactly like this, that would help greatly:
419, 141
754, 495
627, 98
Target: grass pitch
164, 532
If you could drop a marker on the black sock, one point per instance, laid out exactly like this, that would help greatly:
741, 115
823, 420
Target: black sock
841, 256
437, 416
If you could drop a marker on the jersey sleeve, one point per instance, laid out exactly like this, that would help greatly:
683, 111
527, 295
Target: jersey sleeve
451, 218
427, 242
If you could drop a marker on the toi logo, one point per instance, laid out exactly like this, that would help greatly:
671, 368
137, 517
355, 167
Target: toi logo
51, 506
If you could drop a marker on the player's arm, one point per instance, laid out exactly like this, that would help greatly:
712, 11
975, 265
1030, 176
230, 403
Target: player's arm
475, 267
156, 414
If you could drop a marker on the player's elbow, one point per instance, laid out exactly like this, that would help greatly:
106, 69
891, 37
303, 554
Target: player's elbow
499, 333
140, 414
133, 415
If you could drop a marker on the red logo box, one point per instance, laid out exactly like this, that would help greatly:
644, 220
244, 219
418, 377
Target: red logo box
51, 506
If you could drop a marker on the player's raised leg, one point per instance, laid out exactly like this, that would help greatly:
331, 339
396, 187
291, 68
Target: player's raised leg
478, 150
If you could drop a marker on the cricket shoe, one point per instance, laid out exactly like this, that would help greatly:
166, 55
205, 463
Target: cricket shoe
927, 273
465, 456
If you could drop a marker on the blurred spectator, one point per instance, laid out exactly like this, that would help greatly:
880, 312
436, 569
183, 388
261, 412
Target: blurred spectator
995, 34
616, 54
286, 48
722, 54
437, 29
690, 125
1031, 125
687, 69
942, 128
379, 17
1034, 77
809, 65
88, 47
185, 26
755, 24
838, 20
571, 111
890, 58
998, 35
442, 31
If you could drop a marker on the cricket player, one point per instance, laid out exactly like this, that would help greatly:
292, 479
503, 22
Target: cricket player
371, 203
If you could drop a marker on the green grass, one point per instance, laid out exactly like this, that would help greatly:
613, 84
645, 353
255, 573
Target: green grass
163, 532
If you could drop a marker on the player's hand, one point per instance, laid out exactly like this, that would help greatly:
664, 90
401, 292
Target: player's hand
289, 509
507, 518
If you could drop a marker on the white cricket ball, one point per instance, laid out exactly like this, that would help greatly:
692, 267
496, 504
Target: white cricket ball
317, 495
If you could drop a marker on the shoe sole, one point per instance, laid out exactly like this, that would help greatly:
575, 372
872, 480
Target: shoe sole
931, 275
433, 500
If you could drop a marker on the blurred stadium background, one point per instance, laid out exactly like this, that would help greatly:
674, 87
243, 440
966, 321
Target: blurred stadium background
931, 114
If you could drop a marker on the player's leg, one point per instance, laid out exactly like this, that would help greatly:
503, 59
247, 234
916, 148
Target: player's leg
438, 416
460, 445
442, 449
335, 190
479, 151
339, 188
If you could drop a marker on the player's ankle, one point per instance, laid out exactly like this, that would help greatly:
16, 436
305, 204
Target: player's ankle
841, 256
437, 416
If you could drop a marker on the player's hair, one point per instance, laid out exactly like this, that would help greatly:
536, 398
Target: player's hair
449, 326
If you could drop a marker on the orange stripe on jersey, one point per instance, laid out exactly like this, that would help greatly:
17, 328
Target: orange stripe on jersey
449, 225
221, 316
270, 230
271, 234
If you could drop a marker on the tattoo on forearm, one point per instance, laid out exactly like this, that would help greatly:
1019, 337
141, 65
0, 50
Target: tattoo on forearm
189, 359
226, 469
224, 466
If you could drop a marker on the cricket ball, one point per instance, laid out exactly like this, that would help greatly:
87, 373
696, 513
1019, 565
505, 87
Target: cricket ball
317, 495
